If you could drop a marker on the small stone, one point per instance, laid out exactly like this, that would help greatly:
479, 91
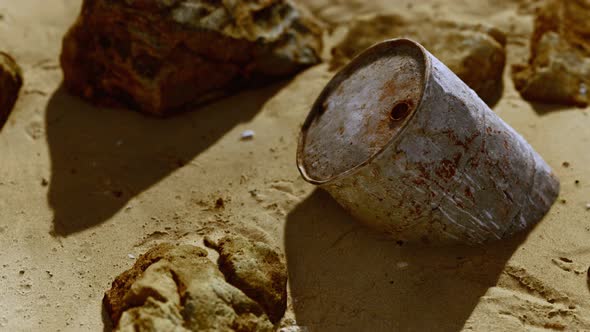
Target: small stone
248, 135
402, 265
293, 328
160, 56
219, 203
476, 53
558, 70
131, 256
10, 83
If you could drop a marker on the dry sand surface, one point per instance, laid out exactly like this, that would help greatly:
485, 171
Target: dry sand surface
84, 190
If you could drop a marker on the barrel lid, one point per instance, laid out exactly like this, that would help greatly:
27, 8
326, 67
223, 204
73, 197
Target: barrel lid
362, 109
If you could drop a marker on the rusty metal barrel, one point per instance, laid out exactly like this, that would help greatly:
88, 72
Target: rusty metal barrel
410, 150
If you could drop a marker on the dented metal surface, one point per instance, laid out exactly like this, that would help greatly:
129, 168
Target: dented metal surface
446, 169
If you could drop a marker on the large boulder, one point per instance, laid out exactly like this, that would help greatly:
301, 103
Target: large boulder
158, 56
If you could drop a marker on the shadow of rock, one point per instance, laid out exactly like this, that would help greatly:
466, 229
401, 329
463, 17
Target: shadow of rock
106, 320
101, 158
344, 277
546, 108
496, 94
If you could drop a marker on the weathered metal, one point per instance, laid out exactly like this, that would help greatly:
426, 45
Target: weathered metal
474, 52
407, 148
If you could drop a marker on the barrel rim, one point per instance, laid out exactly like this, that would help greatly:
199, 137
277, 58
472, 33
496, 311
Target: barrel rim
382, 47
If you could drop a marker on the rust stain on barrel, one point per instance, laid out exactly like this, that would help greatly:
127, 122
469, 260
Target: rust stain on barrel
409, 149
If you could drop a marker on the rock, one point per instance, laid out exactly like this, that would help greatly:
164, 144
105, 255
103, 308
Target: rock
10, 83
256, 268
558, 70
177, 288
476, 53
152, 316
158, 56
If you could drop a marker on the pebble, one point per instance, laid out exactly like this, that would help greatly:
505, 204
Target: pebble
294, 328
248, 134
402, 265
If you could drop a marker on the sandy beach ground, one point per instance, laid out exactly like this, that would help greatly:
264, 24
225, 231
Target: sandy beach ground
84, 190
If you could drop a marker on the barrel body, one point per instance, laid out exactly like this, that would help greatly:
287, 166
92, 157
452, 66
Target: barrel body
453, 172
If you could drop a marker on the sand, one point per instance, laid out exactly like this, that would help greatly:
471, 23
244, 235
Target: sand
84, 190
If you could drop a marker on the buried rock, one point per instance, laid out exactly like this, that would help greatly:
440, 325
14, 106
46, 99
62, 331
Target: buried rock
10, 83
475, 53
158, 56
178, 288
558, 70
257, 269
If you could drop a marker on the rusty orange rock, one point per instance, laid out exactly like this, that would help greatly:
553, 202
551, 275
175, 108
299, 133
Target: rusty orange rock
158, 56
